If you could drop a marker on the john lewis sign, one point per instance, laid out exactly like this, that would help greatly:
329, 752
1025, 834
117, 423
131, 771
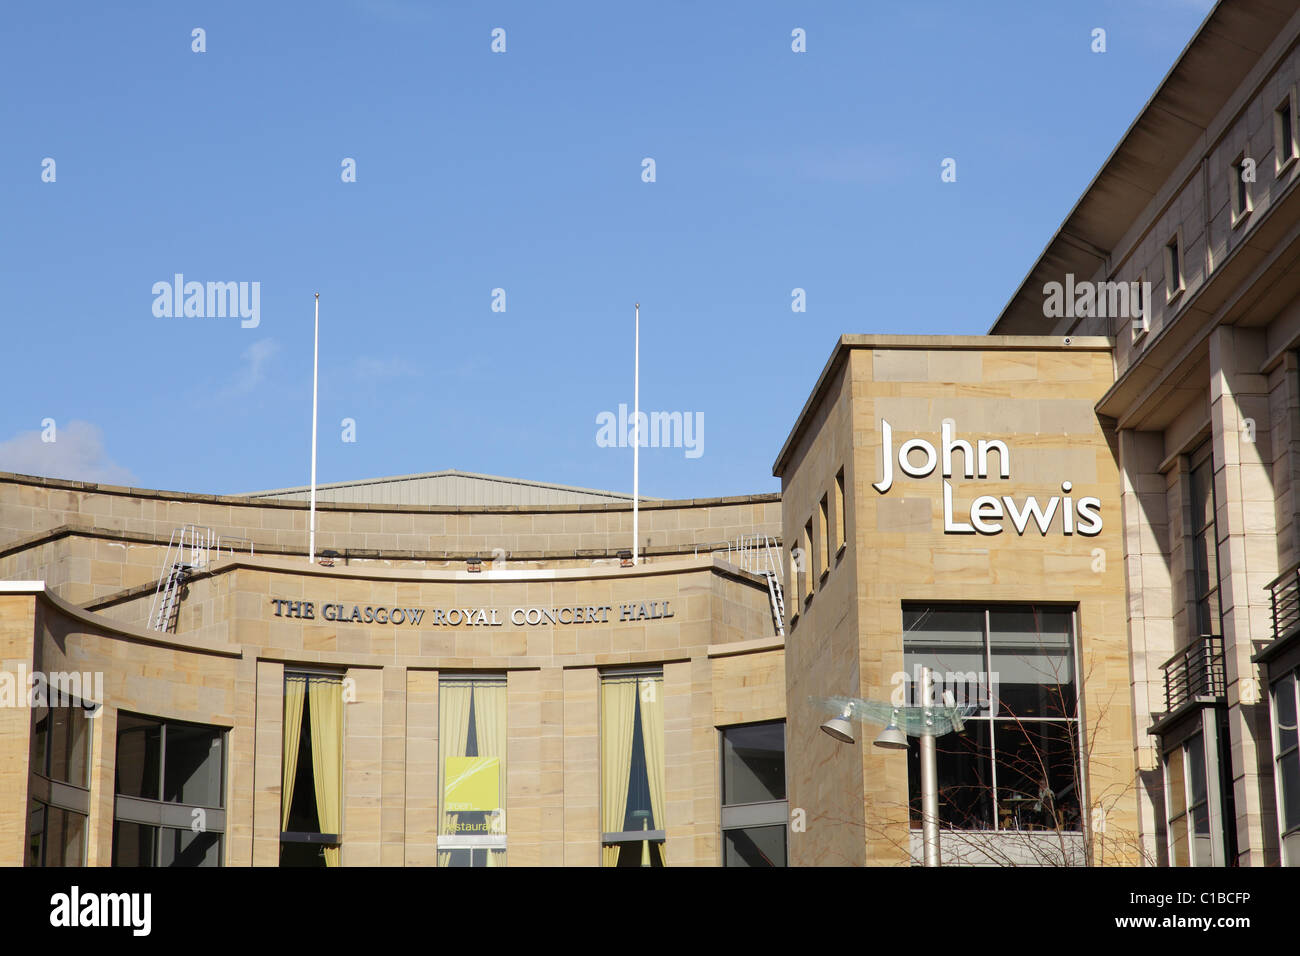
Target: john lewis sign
917, 458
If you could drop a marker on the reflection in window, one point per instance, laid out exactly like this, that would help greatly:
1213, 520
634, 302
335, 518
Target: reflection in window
170, 793
59, 767
754, 807
1188, 808
1016, 765
472, 737
311, 782
632, 770
1287, 763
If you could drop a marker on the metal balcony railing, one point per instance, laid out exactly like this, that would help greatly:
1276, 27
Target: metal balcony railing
1284, 595
1195, 673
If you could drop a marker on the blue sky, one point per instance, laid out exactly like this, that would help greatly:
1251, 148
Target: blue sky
520, 171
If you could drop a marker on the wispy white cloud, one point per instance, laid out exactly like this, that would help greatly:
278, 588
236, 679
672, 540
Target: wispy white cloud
253, 363
76, 453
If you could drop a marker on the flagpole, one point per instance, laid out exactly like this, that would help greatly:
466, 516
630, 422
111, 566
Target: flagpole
636, 443
315, 369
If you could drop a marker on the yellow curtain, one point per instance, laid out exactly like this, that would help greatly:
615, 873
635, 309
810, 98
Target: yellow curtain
325, 703
652, 736
618, 713
453, 734
295, 692
490, 726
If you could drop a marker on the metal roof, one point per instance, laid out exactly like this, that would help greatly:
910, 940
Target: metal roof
448, 487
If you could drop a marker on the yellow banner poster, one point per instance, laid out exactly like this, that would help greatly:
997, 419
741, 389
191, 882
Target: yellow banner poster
472, 784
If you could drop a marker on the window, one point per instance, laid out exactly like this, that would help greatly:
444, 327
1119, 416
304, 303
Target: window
1016, 765
754, 807
632, 769
1240, 188
472, 772
170, 787
1205, 552
794, 579
840, 532
824, 541
1173, 268
1285, 148
59, 786
810, 570
1139, 302
1286, 771
1188, 810
311, 781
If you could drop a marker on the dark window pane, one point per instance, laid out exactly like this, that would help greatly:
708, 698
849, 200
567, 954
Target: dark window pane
965, 768
139, 742
69, 742
641, 854
1037, 784
1032, 661
755, 846
302, 854
192, 770
35, 833
303, 817
753, 763
640, 815
948, 640
134, 844
65, 838
1196, 786
187, 848
1289, 766
40, 740
1284, 701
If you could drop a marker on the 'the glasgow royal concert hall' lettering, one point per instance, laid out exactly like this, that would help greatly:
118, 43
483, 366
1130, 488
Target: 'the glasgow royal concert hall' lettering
987, 512
474, 616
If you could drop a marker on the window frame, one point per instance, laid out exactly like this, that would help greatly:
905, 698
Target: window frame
50, 793
1175, 283
1075, 725
309, 837
161, 814
470, 842
1293, 753
1240, 200
754, 814
1285, 152
622, 838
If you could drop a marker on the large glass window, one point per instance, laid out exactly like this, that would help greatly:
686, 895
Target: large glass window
59, 786
1016, 765
1287, 764
472, 737
1188, 798
1205, 549
311, 784
170, 793
632, 769
754, 807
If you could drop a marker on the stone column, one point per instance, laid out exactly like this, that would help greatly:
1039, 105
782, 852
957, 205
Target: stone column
1246, 528
1143, 497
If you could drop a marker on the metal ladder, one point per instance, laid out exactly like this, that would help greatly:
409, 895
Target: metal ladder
758, 553
187, 551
